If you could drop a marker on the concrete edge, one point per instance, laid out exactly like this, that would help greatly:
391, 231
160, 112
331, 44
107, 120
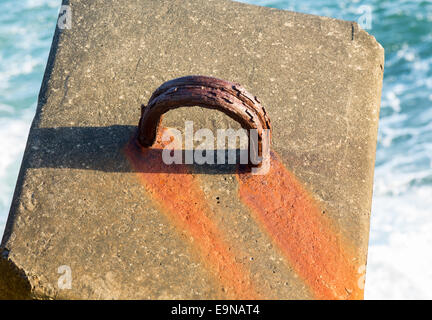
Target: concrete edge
15, 284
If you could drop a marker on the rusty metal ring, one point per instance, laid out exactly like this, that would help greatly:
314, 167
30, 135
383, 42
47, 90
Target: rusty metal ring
207, 92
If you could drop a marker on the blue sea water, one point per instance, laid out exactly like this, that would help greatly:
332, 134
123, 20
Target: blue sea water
401, 227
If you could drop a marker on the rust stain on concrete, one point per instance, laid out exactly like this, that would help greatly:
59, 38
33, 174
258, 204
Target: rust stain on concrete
180, 197
305, 236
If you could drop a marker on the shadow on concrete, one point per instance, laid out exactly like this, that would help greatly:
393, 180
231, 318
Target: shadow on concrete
105, 149
102, 149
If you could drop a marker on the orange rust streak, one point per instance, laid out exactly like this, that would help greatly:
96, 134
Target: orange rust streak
304, 235
182, 200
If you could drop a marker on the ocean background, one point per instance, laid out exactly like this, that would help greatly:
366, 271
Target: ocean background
400, 254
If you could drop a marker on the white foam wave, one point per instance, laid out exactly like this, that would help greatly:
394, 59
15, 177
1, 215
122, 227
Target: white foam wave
13, 136
399, 251
16, 66
31, 4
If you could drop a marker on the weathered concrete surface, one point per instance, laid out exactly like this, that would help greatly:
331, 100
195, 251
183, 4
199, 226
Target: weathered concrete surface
80, 203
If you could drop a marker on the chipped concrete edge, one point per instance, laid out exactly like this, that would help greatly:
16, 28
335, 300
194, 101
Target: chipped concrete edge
359, 31
15, 284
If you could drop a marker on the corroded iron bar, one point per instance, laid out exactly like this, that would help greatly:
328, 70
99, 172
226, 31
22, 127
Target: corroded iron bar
207, 92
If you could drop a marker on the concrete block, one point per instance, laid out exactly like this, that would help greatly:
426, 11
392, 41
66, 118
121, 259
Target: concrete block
93, 219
